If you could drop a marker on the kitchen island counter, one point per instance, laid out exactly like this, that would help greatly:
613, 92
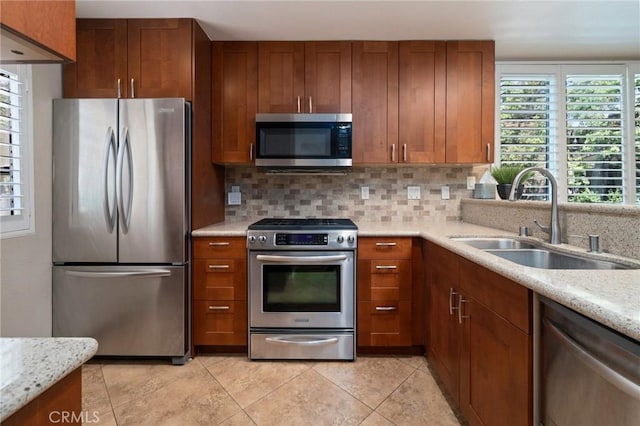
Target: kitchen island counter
30, 366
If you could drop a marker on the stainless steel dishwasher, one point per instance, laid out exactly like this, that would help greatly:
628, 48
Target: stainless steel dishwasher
590, 374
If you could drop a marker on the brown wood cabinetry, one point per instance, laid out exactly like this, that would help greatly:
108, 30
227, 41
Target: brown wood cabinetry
384, 289
470, 101
375, 102
303, 77
235, 101
46, 28
480, 339
142, 58
422, 85
64, 398
219, 292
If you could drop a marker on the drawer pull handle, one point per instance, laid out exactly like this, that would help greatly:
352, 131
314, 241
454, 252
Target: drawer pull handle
219, 244
386, 267
386, 244
218, 308
218, 266
386, 308
460, 316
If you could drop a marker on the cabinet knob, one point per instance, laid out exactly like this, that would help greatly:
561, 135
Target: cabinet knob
310, 105
133, 89
119, 88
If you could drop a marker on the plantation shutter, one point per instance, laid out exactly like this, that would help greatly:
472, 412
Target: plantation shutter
594, 134
12, 188
528, 127
637, 134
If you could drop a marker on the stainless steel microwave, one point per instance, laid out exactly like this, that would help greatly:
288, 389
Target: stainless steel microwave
313, 141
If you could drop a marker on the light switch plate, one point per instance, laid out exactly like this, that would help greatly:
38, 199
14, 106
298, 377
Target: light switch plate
364, 192
234, 198
444, 192
413, 192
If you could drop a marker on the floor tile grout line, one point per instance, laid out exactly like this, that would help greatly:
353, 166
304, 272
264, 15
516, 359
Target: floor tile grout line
275, 389
106, 387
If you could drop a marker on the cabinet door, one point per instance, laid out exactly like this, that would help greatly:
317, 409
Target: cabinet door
281, 76
101, 60
375, 102
495, 360
235, 101
159, 58
470, 101
422, 101
327, 76
444, 331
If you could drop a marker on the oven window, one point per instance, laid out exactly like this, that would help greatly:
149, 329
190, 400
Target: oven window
301, 288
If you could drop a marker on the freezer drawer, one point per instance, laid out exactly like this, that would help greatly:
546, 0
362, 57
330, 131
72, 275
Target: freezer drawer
129, 310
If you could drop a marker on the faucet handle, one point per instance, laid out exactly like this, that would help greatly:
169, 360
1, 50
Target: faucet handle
545, 229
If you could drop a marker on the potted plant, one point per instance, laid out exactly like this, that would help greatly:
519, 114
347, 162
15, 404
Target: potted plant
504, 176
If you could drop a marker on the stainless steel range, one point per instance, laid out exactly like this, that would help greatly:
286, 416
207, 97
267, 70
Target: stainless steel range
302, 288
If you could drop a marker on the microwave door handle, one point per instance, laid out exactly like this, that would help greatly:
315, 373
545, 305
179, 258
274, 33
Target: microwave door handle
300, 259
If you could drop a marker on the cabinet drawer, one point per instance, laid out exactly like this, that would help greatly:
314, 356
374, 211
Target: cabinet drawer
384, 248
218, 322
384, 323
231, 247
226, 281
384, 279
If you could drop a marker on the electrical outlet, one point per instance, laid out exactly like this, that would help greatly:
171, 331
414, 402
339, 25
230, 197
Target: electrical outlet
471, 182
444, 192
413, 192
364, 192
234, 198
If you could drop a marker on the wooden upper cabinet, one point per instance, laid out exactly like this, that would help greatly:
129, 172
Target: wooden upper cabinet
422, 101
47, 29
142, 58
101, 60
470, 101
375, 102
328, 76
235, 101
281, 76
303, 77
159, 58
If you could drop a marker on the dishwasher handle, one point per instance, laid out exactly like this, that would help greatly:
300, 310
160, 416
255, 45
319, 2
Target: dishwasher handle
603, 370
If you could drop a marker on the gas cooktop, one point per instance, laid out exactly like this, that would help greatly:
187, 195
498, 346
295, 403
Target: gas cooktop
302, 224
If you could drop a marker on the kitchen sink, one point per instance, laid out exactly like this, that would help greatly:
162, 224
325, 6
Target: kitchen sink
549, 259
528, 253
488, 243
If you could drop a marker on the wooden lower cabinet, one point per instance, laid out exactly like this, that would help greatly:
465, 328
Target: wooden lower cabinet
480, 339
60, 404
384, 289
219, 308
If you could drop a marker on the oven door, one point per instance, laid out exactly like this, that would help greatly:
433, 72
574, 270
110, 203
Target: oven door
301, 289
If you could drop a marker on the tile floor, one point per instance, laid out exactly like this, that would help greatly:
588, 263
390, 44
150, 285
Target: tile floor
231, 390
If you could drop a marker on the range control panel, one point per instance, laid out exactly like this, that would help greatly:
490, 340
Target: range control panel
301, 240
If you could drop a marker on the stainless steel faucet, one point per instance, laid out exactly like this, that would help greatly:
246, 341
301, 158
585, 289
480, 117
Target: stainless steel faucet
554, 228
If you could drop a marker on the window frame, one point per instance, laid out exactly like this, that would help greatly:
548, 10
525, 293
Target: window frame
559, 71
24, 224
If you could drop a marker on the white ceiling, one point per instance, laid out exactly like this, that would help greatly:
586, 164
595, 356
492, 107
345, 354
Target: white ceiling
522, 29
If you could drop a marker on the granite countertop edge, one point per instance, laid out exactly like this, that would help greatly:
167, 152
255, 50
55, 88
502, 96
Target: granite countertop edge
605, 296
37, 364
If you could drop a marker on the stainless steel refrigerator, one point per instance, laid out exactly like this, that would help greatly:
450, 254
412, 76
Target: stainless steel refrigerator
121, 216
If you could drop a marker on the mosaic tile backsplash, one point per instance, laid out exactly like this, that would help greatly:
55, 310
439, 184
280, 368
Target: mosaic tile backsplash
268, 195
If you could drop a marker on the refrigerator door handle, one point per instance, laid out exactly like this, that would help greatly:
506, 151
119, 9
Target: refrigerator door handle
125, 148
109, 151
149, 273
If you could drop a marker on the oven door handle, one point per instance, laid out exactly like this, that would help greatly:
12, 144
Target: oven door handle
301, 259
298, 341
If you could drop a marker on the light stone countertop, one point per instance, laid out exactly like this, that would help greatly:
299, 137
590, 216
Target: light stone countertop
611, 297
30, 366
